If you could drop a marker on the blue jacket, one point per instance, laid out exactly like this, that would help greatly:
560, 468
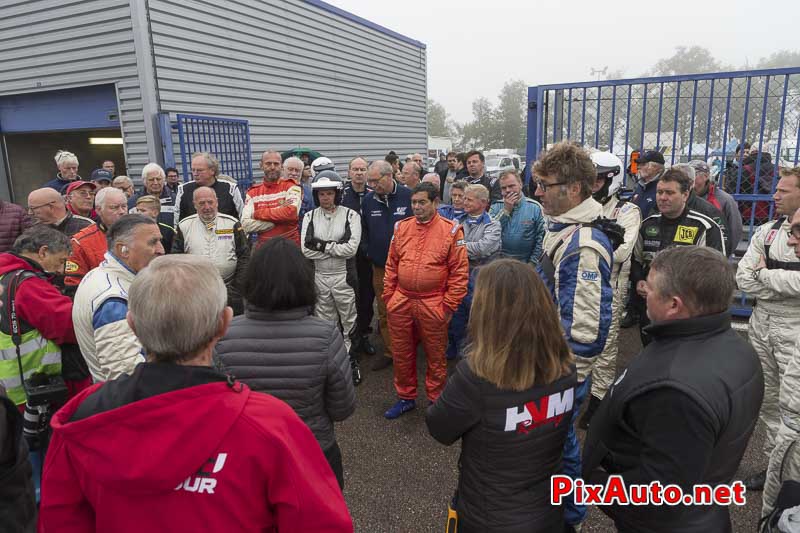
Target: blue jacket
59, 184
450, 212
378, 217
523, 231
644, 196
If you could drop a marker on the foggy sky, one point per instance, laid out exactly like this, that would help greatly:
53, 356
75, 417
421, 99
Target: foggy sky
474, 47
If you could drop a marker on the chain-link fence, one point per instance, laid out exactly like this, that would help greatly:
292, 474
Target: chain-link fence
706, 116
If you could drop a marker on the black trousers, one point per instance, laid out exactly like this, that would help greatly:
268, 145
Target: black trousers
359, 276
334, 457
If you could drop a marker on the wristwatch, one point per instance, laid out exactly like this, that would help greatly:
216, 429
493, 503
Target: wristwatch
756, 273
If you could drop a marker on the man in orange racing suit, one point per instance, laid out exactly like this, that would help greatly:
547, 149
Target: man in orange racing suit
426, 278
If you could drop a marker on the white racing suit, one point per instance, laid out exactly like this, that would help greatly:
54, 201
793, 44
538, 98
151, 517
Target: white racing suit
627, 215
775, 322
784, 462
336, 300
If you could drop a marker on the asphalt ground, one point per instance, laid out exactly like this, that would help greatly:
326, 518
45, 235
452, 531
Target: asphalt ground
398, 479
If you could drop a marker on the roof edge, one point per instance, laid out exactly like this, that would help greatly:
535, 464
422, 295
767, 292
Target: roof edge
364, 22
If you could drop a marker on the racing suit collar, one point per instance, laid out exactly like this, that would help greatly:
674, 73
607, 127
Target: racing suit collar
586, 211
483, 218
705, 325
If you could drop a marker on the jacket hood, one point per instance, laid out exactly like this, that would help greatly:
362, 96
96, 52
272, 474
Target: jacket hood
9, 262
151, 445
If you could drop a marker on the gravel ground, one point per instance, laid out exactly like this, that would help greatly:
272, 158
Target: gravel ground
398, 479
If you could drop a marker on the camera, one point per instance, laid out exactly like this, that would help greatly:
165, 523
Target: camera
44, 390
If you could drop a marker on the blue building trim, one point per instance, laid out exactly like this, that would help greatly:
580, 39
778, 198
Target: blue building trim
364, 22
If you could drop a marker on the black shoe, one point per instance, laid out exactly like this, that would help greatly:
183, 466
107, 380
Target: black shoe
366, 347
356, 371
756, 481
382, 362
594, 403
629, 320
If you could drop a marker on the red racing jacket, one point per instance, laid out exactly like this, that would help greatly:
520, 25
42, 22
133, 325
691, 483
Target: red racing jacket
89, 246
427, 260
272, 209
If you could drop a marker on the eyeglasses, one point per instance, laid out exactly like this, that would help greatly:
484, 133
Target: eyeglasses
544, 185
32, 208
83, 194
794, 231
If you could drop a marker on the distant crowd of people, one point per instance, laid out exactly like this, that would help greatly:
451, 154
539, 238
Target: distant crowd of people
140, 329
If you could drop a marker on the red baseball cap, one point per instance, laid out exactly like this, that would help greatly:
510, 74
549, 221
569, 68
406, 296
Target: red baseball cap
78, 184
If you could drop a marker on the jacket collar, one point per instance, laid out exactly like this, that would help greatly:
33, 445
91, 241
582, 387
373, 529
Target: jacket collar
584, 212
256, 313
34, 265
482, 219
115, 264
703, 325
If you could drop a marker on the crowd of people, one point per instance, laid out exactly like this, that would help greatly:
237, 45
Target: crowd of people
156, 319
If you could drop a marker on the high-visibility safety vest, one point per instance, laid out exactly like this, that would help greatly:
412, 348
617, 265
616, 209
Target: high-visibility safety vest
37, 354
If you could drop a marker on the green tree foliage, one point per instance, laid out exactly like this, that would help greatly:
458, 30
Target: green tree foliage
437, 120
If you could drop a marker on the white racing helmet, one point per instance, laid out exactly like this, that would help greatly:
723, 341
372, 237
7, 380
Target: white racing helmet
609, 166
320, 164
327, 179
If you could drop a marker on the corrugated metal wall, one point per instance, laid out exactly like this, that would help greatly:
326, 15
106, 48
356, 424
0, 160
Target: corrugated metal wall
58, 44
299, 73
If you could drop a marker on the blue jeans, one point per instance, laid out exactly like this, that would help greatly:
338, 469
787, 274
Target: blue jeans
571, 466
457, 330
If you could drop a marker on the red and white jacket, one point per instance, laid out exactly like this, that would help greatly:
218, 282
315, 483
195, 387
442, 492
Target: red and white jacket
272, 209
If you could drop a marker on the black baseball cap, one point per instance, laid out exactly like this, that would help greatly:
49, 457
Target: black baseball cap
650, 156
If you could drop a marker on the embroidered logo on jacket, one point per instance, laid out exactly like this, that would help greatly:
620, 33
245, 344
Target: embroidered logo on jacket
549, 409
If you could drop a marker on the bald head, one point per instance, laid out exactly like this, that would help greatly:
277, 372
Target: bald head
205, 202
432, 177
46, 205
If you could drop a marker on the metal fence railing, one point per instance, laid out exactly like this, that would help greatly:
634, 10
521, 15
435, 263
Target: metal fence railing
227, 139
703, 116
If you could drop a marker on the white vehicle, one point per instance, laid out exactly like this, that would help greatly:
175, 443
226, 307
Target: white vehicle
498, 161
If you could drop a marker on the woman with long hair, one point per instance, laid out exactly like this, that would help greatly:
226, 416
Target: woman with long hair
510, 402
278, 347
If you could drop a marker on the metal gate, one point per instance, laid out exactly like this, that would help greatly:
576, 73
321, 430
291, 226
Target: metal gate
703, 116
226, 138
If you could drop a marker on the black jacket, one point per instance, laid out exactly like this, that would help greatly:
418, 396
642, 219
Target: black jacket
703, 206
682, 412
228, 196
17, 496
296, 357
508, 451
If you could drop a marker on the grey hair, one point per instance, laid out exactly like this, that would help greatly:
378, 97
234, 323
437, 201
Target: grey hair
32, 240
364, 159
122, 230
384, 168
153, 167
433, 177
702, 277
119, 180
294, 161
176, 329
211, 161
480, 192
687, 169
63, 157
100, 197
